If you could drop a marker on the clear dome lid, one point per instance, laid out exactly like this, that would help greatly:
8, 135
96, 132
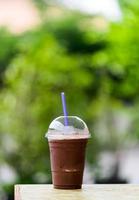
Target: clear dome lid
74, 128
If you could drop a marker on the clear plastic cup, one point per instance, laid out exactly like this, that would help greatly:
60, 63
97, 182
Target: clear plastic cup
67, 151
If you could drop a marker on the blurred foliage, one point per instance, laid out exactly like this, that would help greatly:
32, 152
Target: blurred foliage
43, 68
8, 50
95, 62
41, 4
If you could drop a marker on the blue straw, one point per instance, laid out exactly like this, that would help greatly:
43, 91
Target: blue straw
64, 109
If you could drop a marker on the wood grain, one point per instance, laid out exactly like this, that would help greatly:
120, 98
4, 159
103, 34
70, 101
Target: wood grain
88, 192
17, 193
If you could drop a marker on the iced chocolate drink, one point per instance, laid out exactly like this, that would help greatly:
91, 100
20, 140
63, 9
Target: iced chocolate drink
67, 152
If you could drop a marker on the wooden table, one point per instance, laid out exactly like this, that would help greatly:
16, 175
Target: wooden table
88, 192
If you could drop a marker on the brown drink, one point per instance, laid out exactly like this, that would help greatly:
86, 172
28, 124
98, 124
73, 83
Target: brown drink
67, 152
67, 162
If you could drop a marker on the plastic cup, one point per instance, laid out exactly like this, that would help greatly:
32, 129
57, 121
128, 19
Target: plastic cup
67, 146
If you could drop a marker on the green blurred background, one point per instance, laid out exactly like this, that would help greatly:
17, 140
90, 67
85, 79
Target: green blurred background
92, 57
